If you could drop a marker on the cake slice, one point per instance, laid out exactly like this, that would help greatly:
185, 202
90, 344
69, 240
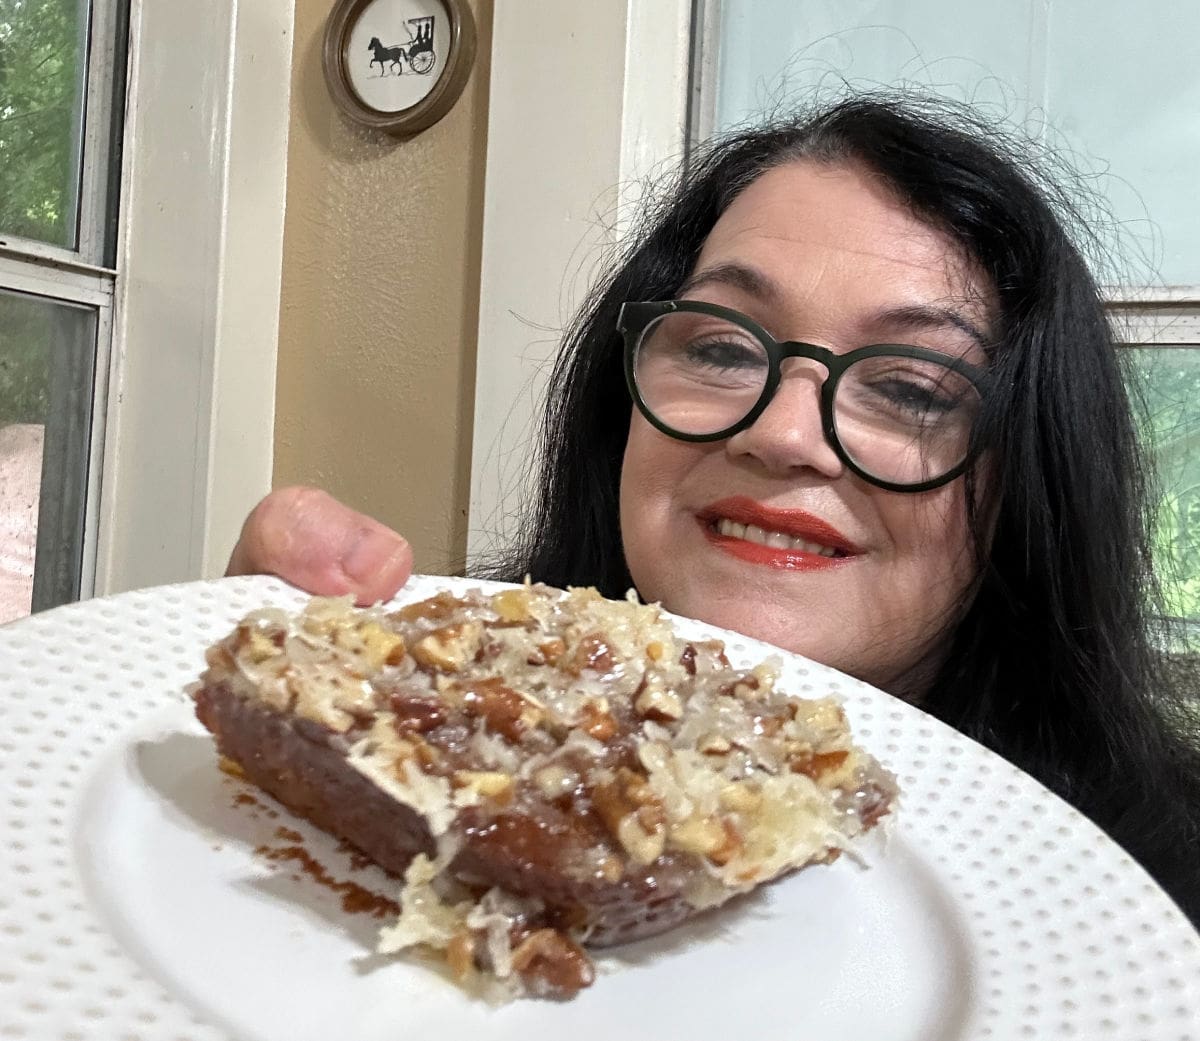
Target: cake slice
547, 770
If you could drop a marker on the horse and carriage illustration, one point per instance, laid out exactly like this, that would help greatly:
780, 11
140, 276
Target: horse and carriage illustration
417, 52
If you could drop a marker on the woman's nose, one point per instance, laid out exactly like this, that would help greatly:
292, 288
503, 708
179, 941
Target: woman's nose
787, 436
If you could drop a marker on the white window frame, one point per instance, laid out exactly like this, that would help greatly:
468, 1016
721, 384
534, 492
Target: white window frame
1156, 317
189, 425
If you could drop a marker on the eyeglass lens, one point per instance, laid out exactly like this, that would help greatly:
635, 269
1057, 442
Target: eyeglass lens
903, 420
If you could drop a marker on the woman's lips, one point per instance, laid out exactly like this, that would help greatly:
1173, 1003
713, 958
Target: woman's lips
792, 540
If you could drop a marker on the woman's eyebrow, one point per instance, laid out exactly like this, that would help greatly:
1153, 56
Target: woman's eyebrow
925, 316
739, 276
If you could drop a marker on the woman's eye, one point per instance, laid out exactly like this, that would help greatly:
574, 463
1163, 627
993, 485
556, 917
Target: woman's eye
914, 395
917, 397
725, 355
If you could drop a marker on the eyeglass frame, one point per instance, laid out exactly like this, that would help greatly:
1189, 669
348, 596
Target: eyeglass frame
635, 317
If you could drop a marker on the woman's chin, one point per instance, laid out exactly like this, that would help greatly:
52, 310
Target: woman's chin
786, 628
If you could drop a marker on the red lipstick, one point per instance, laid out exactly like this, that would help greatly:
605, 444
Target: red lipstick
797, 524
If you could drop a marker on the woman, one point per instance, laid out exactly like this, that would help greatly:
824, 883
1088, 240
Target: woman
963, 522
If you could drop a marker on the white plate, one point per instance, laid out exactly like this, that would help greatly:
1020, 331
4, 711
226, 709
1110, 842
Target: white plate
133, 905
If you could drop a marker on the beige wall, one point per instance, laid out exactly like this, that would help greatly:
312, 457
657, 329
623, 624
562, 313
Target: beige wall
380, 305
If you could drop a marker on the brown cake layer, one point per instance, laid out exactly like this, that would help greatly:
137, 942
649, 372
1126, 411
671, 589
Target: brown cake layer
301, 766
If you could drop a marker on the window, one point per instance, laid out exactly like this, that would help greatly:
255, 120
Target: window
1097, 81
61, 85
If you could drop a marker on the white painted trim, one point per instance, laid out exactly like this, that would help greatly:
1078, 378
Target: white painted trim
1168, 325
242, 430
96, 449
45, 255
192, 379
654, 99
705, 66
574, 126
94, 204
1119, 296
93, 288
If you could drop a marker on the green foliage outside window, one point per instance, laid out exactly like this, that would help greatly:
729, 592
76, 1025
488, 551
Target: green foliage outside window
41, 91
1168, 380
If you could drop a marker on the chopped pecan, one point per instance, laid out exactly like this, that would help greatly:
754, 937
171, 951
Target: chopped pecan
449, 648
460, 954
547, 653
714, 744
512, 605
502, 708
819, 764
377, 645
651, 817
552, 650
688, 659
633, 814
702, 836
416, 714
255, 644
642, 844
552, 964
610, 870
656, 701
490, 784
745, 688
435, 609
597, 721
429, 757
714, 838
593, 653
555, 781
768, 725
740, 797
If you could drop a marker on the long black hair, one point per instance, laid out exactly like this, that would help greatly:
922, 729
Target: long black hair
1053, 661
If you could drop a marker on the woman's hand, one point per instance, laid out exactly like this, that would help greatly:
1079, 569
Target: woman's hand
311, 540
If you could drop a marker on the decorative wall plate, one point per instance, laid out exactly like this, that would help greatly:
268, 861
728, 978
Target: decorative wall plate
398, 65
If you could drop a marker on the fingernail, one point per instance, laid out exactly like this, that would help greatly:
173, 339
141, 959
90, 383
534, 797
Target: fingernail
369, 553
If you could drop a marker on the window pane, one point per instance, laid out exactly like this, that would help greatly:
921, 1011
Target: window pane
1119, 96
47, 351
43, 74
1169, 379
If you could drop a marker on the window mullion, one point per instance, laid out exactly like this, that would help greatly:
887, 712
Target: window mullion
105, 51
75, 284
1156, 325
42, 254
1146, 295
99, 461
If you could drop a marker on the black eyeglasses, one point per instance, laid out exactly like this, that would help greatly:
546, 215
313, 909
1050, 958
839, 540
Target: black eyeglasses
900, 417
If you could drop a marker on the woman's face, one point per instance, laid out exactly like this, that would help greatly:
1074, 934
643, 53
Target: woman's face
826, 255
